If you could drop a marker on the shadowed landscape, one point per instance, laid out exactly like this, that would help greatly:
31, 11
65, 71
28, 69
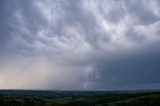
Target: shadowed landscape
79, 98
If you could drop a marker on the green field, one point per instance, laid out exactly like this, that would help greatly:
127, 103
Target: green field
78, 98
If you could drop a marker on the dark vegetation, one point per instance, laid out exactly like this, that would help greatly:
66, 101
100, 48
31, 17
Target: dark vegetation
78, 98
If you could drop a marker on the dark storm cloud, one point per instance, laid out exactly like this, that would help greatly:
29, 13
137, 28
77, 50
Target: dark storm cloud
136, 68
85, 44
4, 27
145, 15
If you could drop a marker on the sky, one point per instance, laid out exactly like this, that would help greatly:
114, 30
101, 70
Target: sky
80, 44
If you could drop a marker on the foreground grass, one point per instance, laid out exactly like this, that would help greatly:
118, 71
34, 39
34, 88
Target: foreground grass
149, 100
28, 98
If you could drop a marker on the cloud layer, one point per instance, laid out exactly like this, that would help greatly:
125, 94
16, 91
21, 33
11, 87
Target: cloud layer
85, 44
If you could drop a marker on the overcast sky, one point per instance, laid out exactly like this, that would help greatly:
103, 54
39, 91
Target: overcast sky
80, 44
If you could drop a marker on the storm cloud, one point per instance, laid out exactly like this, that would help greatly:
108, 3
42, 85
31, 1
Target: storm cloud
80, 45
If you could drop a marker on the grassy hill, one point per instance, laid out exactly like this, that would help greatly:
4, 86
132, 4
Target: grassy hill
149, 100
78, 98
